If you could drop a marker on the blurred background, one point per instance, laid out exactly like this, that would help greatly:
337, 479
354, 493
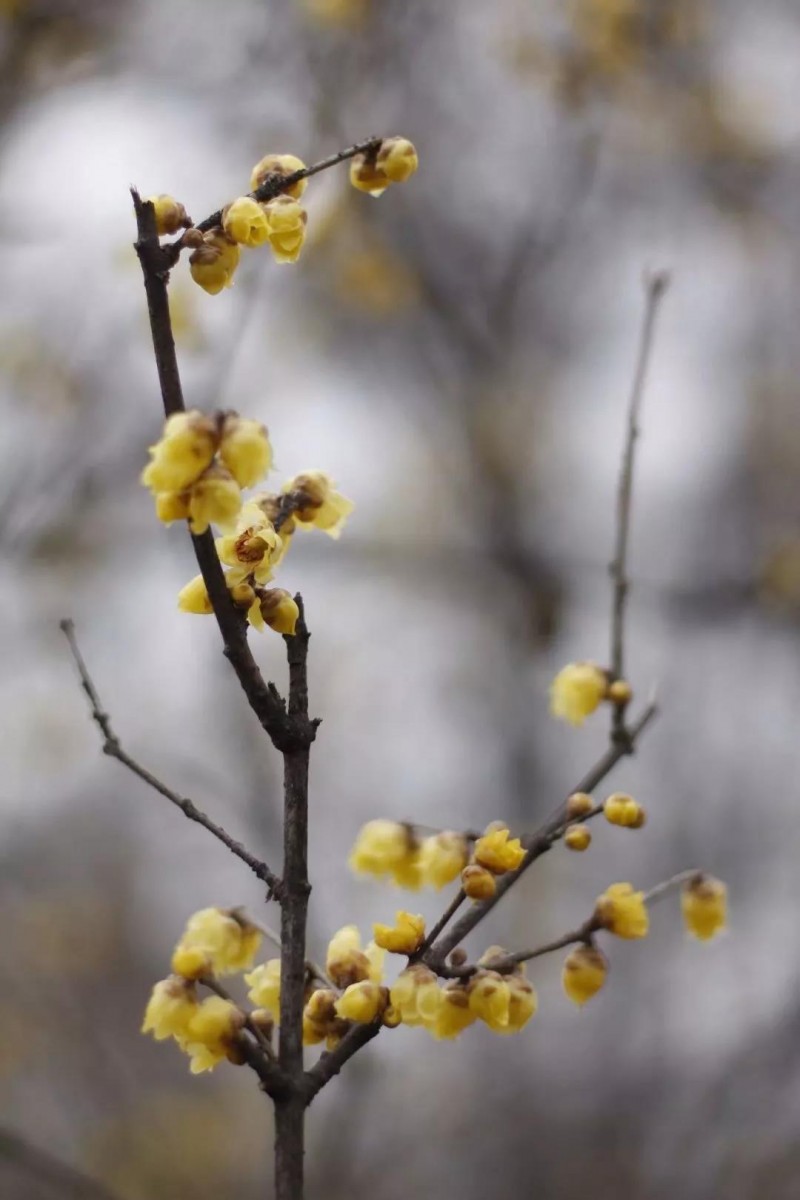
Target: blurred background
458, 356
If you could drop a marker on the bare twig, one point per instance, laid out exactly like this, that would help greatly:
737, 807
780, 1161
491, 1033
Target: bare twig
46, 1169
331, 1063
655, 285
444, 920
669, 885
113, 748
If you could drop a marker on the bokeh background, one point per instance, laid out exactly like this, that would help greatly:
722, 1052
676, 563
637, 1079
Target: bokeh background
458, 355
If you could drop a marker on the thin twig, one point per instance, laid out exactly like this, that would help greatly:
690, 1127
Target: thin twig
504, 964
275, 184
44, 1167
662, 889
655, 285
112, 747
330, 1063
539, 843
444, 920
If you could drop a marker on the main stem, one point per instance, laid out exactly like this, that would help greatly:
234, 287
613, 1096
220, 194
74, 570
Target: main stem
290, 1109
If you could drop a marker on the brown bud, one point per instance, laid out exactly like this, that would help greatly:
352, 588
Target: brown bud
579, 804
478, 883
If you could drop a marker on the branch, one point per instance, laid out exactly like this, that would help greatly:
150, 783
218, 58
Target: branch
43, 1166
113, 748
655, 285
264, 698
275, 184
331, 1063
539, 843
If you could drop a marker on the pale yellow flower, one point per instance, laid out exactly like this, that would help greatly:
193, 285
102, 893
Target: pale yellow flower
215, 499
361, 1002
245, 222
245, 449
264, 984
286, 221
620, 809
404, 937
184, 451
623, 911
279, 164
318, 503
229, 940
577, 691
193, 597
704, 904
212, 264
170, 214
397, 159
498, 852
442, 857
171, 1006
583, 974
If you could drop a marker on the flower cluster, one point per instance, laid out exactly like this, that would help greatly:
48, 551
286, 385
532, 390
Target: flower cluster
279, 221
388, 849
197, 472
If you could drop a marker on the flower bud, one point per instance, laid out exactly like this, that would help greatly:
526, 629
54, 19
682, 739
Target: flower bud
397, 159
245, 222
279, 164
621, 809
279, 610
478, 883
577, 837
170, 214
576, 691
583, 974
579, 804
212, 264
704, 904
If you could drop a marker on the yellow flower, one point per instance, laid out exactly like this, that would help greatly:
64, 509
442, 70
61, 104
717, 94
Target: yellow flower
279, 610
405, 937
172, 506
193, 597
286, 221
191, 963
362, 1002
380, 848
253, 549
416, 995
498, 852
489, 999
319, 1015
583, 974
171, 1006
576, 691
478, 883
170, 214
579, 804
229, 940
245, 449
623, 911
245, 222
397, 159
347, 963
620, 809
216, 498
454, 1013
522, 1003
212, 1033
213, 263
620, 692
318, 503
704, 904
442, 857
279, 164
264, 983
577, 837
367, 177
183, 452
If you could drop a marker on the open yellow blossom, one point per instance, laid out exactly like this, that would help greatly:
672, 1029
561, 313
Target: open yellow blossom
190, 962
381, 847
362, 1002
442, 857
213, 263
245, 222
229, 940
498, 852
264, 983
170, 214
215, 498
279, 610
193, 597
320, 1018
620, 809
704, 904
253, 549
578, 837
171, 1006
416, 995
245, 449
623, 912
478, 883
583, 974
397, 159
182, 453
212, 1033
279, 164
454, 1013
577, 691
347, 963
489, 999
522, 1003
317, 503
406, 936
286, 224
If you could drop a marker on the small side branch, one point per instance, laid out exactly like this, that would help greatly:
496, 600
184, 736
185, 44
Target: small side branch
113, 748
655, 285
331, 1063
